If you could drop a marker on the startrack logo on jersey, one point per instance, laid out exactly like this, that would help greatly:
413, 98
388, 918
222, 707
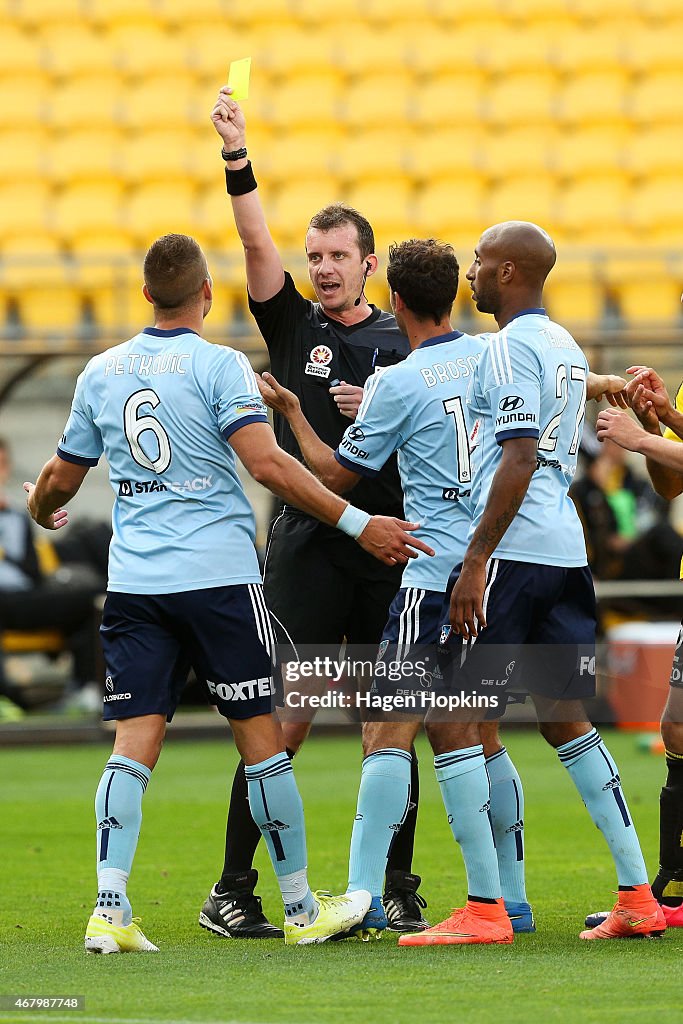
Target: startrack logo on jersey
454, 494
127, 488
247, 690
250, 407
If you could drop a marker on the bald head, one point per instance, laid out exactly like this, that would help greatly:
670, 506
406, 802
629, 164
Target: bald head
512, 261
529, 247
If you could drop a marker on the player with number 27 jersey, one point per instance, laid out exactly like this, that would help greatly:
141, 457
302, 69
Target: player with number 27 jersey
167, 457
531, 382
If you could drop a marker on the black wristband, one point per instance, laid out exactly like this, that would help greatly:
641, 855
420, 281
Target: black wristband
240, 182
236, 154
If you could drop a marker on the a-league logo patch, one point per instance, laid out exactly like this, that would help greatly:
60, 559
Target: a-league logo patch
322, 355
382, 649
445, 635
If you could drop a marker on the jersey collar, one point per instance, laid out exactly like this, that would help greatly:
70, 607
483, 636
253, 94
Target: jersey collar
532, 311
174, 332
440, 339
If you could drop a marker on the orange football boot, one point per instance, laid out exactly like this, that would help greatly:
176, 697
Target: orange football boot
475, 923
635, 915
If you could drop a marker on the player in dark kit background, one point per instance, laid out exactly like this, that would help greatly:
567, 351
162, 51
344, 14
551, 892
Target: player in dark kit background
318, 590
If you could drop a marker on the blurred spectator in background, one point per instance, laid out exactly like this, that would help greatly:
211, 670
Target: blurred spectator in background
626, 524
64, 600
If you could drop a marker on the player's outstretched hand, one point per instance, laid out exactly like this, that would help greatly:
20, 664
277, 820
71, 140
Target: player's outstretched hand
647, 396
276, 396
467, 601
619, 427
348, 398
228, 120
606, 385
391, 541
56, 521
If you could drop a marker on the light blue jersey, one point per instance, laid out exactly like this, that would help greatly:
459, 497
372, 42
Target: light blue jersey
418, 409
531, 382
161, 408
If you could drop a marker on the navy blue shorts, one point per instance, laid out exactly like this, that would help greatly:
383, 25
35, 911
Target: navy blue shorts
540, 633
150, 642
407, 655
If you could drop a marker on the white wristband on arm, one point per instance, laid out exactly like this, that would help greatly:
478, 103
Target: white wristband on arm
353, 521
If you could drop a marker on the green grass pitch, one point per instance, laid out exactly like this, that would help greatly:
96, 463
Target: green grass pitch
48, 885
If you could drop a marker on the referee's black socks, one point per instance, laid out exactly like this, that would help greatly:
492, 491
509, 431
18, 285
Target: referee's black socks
401, 850
668, 885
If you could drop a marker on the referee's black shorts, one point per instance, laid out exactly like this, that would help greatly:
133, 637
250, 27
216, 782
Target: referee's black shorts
320, 586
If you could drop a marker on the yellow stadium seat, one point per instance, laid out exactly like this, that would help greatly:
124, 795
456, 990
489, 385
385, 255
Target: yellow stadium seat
38, 13
658, 98
573, 294
158, 156
450, 12
71, 157
659, 10
142, 50
292, 50
518, 152
532, 198
362, 50
509, 50
387, 204
181, 15
24, 208
22, 100
259, 12
108, 14
448, 101
529, 10
608, 10
656, 209
72, 50
291, 209
19, 51
206, 165
432, 50
305, 100
214, 218
211, 47
383, 153
655, 47
451, 210
106, 269
71, 105
595, 49
654, 150
596, 149
648, 287
24, 155
158, 209
593, 98
526, 98
21, 251
387, 12
594, 209
445, 153
388, 97
87, 208
159, 101
290, 155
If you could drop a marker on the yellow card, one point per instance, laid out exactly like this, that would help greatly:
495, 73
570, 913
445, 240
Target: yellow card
238, 78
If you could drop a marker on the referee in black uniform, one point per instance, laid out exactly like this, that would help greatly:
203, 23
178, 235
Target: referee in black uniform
320, 587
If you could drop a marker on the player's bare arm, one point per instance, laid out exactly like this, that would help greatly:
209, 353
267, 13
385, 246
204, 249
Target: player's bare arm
387, 539
319, 457
510, 484
608, 386
265, 274
619, 427
57, 484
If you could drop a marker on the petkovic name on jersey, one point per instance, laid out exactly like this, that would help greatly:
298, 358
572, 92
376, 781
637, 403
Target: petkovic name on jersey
128, 488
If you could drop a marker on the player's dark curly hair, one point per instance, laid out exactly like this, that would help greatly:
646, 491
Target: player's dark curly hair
424, 272
174, 270
337, 215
